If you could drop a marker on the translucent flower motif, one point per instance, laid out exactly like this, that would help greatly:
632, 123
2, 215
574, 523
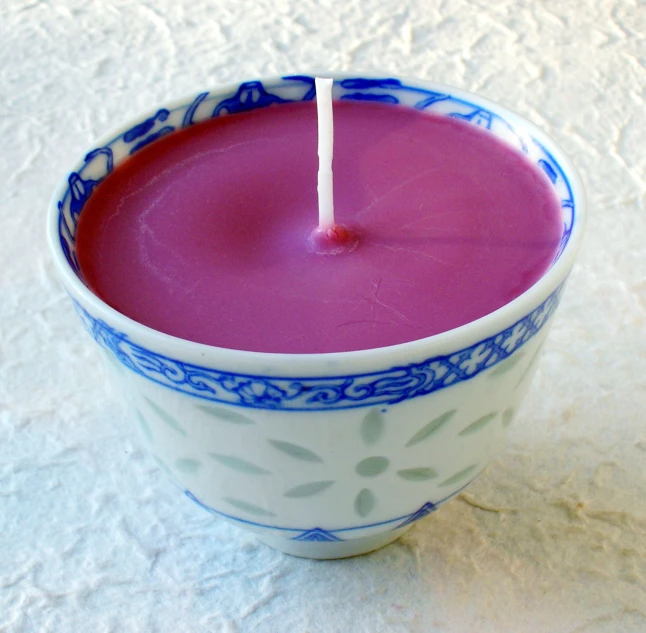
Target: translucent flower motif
371, 466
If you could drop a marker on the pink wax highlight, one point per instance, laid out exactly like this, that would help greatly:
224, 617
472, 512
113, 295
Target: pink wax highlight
204, 234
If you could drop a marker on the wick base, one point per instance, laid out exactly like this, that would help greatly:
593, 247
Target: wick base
332, 241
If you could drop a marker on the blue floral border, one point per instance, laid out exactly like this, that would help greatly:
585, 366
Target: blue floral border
320, 393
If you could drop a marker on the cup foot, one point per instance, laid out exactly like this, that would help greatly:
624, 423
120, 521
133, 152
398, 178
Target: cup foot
335, 549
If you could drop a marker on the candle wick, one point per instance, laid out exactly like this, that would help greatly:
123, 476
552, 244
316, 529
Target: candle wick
328, 238
325, 151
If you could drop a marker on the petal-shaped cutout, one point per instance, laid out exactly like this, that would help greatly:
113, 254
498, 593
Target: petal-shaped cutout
187, 465
507, 417
365, 503
241, 465
479, 424
372, 466
432, 427
417, 474
296, 451
144, 426
308, 490
453, 479
508, 364
169, 419
372, 427
250, 508
225, 415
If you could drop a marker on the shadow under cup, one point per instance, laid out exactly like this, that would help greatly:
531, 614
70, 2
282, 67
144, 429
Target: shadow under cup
323, 455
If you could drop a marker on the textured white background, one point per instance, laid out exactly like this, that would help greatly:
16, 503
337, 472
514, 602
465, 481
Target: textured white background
551, 538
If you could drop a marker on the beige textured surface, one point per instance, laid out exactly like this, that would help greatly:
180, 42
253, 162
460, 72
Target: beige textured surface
551, 538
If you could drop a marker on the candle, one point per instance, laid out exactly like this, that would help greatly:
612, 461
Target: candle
203, 234
205, 227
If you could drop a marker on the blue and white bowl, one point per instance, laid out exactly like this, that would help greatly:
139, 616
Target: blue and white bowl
323, 455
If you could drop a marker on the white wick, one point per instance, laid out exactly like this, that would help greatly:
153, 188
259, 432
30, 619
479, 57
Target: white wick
326, 144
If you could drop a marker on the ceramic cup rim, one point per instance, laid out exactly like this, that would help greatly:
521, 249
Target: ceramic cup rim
356, 360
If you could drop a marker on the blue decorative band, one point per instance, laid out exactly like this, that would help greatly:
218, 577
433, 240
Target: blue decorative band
320, 535
321, 393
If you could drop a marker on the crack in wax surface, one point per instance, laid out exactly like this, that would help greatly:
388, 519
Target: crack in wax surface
203, 234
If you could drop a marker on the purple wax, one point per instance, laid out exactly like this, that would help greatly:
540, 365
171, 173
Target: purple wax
206, 234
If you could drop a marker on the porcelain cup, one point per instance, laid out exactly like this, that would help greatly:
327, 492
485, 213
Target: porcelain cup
323, 455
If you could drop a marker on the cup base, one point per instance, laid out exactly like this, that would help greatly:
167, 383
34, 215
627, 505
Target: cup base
334, 549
